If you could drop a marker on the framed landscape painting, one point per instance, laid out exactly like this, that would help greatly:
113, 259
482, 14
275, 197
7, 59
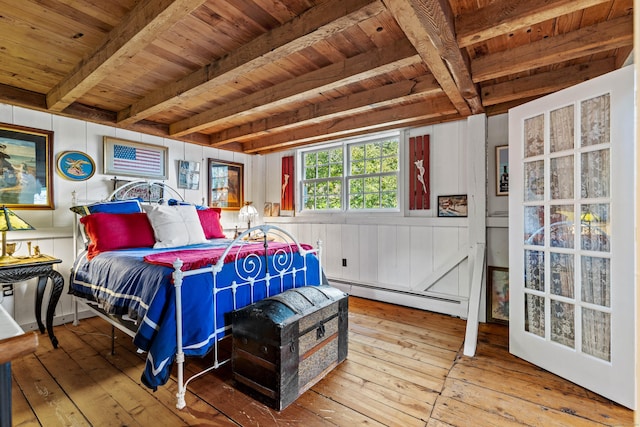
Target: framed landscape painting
26, 167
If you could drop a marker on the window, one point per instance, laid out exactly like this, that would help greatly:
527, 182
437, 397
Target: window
368, 169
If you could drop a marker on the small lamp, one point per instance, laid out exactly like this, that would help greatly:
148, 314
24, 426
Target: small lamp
248, 213
11, 222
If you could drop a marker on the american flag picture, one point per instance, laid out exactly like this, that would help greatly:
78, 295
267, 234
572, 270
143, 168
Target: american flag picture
137, 160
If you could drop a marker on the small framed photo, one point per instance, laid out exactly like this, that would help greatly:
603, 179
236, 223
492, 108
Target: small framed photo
452, 206
129, 158
267, 209
275, 209
498, 295
188, 175
502, 170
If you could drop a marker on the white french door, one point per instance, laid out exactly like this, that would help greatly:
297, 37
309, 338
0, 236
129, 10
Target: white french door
571, 234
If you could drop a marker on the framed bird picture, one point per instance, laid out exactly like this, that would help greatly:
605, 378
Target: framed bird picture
75, 165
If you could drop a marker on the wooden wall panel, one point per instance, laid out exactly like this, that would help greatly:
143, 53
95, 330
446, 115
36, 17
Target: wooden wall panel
288, 184
419, 167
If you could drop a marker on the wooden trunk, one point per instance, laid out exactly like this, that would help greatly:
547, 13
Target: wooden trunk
284, 344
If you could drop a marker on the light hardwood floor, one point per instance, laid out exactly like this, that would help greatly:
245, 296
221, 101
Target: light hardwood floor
405, 368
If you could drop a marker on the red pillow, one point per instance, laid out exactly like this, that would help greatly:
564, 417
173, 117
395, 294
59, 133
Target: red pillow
210, 220
109, 232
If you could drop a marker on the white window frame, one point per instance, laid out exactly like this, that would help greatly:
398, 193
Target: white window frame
346, 173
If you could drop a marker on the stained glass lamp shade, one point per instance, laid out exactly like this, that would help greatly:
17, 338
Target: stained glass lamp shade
9, 221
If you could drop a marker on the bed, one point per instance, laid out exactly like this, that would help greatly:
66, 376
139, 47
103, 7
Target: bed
161, 270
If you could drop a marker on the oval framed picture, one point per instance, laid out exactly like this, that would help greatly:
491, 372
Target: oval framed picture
75, 165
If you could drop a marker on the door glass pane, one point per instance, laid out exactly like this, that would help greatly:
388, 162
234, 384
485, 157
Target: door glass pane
596, 333
561, 129
534, 181
563, 328
534, 225
534, 136
595, 120
562, 177
534, 270
561, 227
534, 314
594, 219
596, 280
562, 272
595, 174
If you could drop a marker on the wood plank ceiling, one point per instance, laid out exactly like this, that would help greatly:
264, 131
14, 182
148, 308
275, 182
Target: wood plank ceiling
258, 76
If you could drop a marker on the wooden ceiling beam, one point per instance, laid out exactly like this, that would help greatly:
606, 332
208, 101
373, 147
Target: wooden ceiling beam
391, 94
312, 26
590, 40
544, 83
429, 25
138, 29
410, 124
393, 117
352, 70
505, 16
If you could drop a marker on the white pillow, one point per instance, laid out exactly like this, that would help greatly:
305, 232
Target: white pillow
175, 225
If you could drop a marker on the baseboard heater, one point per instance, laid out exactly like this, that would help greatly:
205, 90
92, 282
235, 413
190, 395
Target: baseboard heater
396, 291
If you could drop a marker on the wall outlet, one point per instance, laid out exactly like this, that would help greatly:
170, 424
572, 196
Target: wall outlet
344, 262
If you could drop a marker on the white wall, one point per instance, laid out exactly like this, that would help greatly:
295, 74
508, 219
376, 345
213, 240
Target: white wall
390, 256
54, 227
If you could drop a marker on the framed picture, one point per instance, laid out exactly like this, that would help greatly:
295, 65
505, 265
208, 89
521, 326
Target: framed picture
452, 206
267, 209
226, 184
26, 167
129, 158
502, 170
188, 175
498, 295
275, 209
146, 192
75, 165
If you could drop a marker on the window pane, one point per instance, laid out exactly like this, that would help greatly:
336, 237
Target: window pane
309, 202
334, 187
310, 160
372, 201
390, 164
389, 183
357, 168
390, 148
334, 202
323, 158
356, 186
371, 185
335, 170
336, 155
357, 152
372, 166
356, 201
389, 200
372, 150
310, 173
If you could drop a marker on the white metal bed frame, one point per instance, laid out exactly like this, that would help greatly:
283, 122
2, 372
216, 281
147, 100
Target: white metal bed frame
252, 265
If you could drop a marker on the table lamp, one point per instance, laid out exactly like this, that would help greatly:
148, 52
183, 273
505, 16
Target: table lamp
11, 222
248, 213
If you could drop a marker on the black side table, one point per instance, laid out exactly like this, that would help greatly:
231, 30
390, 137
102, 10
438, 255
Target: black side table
40, 266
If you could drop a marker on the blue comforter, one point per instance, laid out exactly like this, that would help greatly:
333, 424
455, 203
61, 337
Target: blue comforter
126, 285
